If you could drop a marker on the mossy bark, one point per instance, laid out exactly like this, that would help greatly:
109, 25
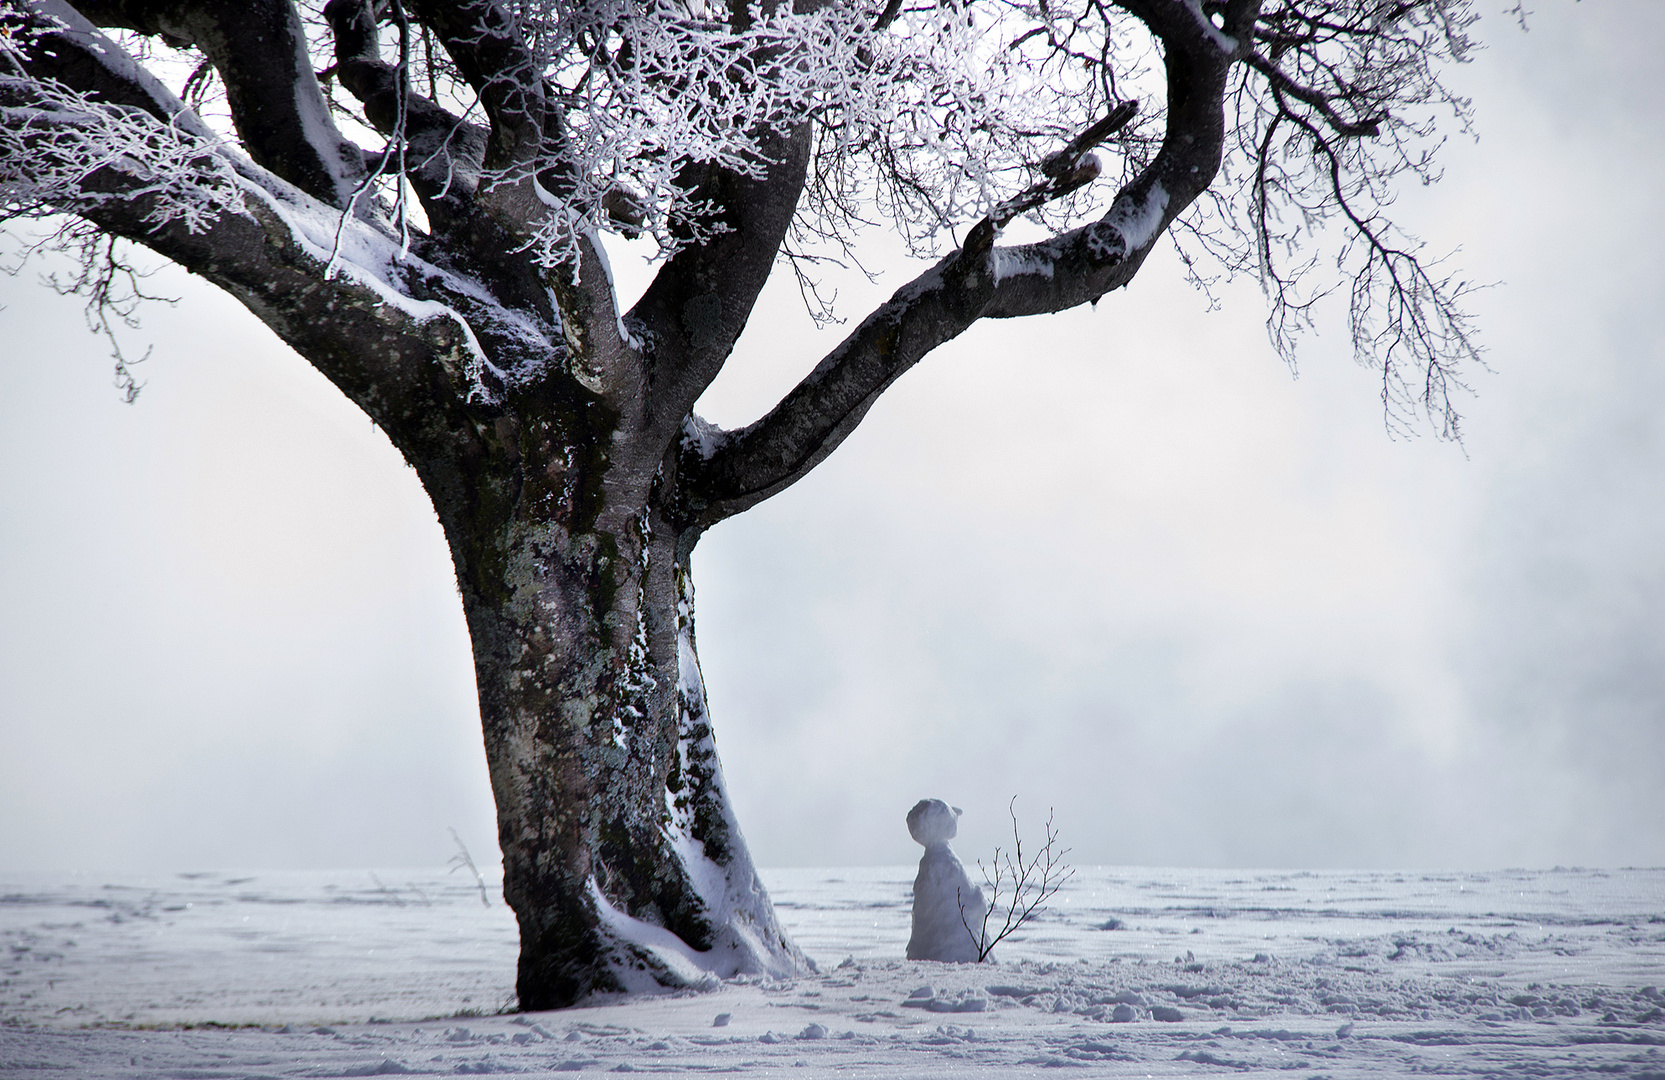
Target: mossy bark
612, 813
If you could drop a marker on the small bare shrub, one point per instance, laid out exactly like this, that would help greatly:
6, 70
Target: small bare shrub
1025, 884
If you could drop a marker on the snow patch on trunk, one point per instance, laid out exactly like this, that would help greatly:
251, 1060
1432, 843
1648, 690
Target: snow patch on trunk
1132, 223
1139, 220
702, 436
746, 937
347, 246
1222, 41
593, 237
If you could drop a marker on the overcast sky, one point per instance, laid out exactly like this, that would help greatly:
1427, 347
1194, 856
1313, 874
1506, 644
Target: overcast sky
1117, 563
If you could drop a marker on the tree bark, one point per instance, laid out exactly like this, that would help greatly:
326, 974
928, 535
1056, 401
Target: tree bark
622, 858
613, 818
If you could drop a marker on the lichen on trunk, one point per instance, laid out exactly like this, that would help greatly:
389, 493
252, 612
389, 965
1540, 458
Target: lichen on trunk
622, 858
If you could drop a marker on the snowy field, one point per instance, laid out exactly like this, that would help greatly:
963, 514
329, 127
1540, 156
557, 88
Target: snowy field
1133, 972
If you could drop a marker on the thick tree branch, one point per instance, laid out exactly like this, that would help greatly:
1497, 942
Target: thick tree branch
71, 50
722, 476
411, 365
258, 47
699, 302
443, 153
485, 43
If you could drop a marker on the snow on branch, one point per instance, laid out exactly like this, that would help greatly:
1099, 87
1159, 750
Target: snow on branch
55, 141
654, 116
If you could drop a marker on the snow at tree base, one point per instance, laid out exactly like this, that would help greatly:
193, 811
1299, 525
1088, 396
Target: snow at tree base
1129, 972
948, 908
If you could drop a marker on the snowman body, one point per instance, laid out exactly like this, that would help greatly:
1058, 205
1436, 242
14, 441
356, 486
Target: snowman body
947, 906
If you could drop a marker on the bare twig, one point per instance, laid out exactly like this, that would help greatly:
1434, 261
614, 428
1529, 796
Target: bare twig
1027, 885
112, 287
463, 859
385, 891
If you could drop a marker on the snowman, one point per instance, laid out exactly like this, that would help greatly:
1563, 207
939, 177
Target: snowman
945, 902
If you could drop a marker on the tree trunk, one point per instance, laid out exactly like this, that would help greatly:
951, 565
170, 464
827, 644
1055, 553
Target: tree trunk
622, 859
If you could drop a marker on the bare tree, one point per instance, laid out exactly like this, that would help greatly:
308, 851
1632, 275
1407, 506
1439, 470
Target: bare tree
1024, 884
412, 195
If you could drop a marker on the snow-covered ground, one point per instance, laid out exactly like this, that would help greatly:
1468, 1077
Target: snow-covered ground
1133, 972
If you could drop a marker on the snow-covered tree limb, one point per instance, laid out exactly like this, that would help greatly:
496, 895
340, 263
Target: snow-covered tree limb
977, 281
105, 153
259, 50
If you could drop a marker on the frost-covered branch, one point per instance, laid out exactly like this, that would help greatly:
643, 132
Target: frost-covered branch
978, 280
74, 107
126, 156
259, 51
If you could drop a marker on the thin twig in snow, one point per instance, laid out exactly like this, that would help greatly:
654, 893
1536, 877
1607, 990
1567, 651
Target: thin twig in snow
463, 859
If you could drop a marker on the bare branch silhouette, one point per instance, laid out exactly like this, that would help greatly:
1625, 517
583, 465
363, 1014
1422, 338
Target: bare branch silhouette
1026, 884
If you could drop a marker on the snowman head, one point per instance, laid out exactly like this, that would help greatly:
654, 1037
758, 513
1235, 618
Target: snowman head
933, 821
